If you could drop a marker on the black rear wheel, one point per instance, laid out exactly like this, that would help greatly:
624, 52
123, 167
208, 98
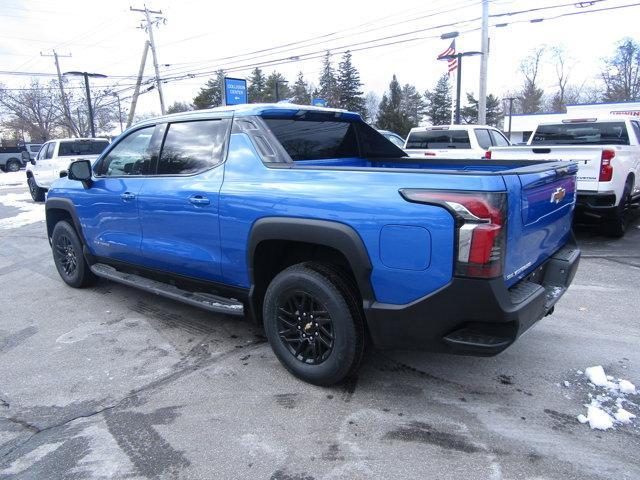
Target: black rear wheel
13, 165
68, 257
615, 224
313, 324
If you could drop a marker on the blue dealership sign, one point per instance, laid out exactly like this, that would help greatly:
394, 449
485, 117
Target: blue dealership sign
235, 91
319, 102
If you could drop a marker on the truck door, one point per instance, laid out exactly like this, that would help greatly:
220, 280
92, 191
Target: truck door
179, 204
43, 163
108, 210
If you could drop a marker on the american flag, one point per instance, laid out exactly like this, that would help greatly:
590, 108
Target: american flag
452, 63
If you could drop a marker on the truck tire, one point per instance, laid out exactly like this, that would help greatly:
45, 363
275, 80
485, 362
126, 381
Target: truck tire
13, 165
615, 223
37, 193
314, 323
68, 257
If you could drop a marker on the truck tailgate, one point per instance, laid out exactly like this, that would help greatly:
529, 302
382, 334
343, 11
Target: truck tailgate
587, 158
540, 211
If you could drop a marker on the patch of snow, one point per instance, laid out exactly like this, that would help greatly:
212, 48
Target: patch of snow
598, 419
605, 409
597, 376
566, 384
626, 386
13, 179
29, 211
624, 416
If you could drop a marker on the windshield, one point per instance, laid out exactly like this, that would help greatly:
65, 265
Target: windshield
605, 133
458, 139
81, 147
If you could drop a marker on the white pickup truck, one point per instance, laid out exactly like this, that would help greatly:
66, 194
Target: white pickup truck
607, 151
453, 141
54, 158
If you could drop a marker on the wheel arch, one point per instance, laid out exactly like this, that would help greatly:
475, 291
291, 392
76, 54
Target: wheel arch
57, 209
322, 239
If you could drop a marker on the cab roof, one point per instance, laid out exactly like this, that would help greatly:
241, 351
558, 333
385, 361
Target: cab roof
251, 109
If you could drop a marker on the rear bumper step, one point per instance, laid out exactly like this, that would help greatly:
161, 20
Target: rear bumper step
474, 316
207, 301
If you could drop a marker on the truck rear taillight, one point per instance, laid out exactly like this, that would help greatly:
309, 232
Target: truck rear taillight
481, 228
487, 155
606, 169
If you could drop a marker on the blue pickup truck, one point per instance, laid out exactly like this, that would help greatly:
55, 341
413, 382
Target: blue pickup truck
311, 223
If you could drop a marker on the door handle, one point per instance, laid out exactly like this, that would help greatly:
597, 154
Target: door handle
127, 196
199, 200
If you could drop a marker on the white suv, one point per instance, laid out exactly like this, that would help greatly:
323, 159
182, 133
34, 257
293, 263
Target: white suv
54, 158
453, 141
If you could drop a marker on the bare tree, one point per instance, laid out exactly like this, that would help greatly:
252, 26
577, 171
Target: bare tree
621, 72
34, 110
563, 65
371, 106
530, 96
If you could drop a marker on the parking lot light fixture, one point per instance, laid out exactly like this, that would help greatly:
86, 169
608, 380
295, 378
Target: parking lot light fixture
86, 76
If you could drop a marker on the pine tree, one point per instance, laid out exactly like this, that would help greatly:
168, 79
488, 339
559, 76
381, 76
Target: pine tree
211, 94
301, 93
469, 113
411, 105
257, 86
284, 92
438, 102
348, 86
328, 84
391, 115
531, 98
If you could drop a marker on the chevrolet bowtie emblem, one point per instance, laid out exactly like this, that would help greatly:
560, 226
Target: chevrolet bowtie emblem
558, 195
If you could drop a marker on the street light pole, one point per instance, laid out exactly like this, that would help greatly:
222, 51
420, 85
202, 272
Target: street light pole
86, 76
278, 82
458, 56
511, 99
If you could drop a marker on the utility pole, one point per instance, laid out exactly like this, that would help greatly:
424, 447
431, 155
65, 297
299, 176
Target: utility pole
65, 106
154, 54
86, 76
119, 111
136, 91
482, 96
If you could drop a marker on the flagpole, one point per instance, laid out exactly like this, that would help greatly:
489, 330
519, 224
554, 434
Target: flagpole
453, 105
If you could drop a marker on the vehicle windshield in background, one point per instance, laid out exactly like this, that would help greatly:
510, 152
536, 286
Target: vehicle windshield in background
73, 148
605, 133
457, 139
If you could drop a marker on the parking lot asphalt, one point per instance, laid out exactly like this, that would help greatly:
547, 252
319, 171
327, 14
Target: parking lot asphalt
110, 382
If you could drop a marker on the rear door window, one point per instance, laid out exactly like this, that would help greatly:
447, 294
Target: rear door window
484, 139
192, 147
498, 139
583, 133
636, 129
440, 139
75, 148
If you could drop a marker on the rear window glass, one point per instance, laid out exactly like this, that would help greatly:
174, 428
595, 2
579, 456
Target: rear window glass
315, 139
457, 139
81, 147
605, 133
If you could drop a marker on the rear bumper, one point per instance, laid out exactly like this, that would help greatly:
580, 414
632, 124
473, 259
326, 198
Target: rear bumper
473, 316
600, 202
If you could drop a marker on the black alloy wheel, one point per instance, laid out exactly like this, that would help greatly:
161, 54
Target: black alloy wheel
305, 327
66, 255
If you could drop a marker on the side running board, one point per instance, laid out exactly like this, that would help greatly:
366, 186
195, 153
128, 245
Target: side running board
207, 301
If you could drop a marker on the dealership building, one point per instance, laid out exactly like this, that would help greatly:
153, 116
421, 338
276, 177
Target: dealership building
523, 125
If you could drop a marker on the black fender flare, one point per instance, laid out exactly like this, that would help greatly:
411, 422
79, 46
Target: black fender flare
68, 206
336, 235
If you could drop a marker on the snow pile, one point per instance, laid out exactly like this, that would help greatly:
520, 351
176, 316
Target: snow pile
606, 408
28, 211
13, 179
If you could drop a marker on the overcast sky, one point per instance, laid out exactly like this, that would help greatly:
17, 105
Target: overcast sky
102, 37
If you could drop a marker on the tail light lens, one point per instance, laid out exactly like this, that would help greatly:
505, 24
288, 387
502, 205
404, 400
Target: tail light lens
487, 155
481, 228
606, 169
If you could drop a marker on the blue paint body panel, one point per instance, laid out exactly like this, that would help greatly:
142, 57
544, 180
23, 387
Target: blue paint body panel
411, 247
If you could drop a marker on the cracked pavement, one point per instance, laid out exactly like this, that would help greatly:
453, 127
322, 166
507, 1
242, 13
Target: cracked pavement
110, 382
